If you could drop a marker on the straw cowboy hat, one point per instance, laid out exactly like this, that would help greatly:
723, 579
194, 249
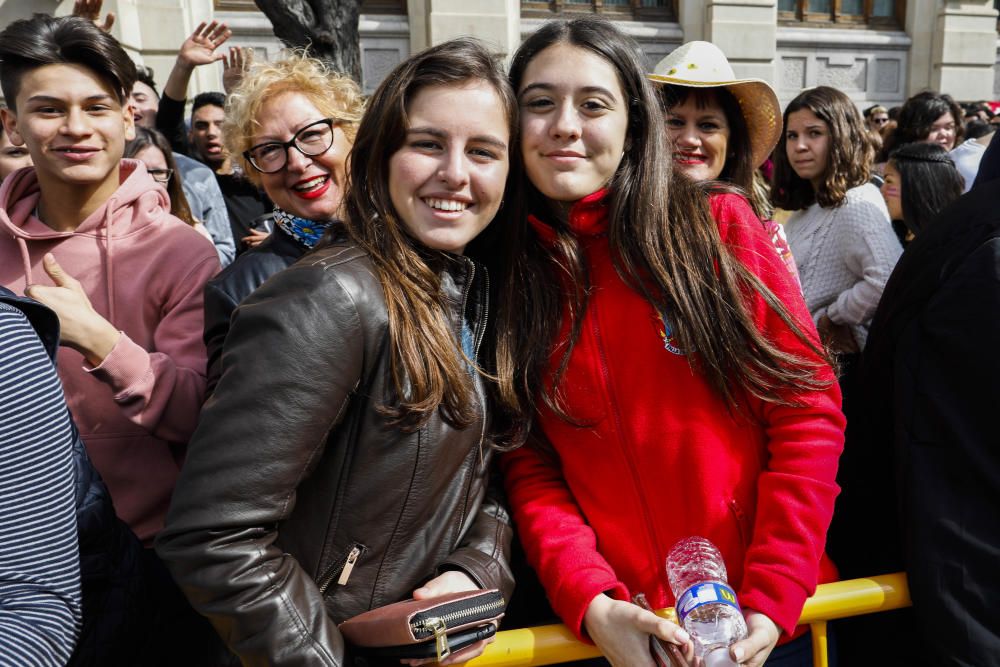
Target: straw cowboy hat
704, 65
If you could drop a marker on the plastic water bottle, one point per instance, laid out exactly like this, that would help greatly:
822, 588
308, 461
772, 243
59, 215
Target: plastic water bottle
706, 605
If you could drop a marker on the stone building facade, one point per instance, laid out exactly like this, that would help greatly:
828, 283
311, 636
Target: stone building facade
874, 50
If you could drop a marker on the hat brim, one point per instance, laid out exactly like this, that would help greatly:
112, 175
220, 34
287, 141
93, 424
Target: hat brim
758, 103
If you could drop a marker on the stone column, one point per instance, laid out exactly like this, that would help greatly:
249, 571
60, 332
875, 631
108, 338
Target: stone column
496, 22
691, 18
746, 31
954, 47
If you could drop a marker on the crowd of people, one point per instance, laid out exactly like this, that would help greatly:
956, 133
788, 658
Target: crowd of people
519, 330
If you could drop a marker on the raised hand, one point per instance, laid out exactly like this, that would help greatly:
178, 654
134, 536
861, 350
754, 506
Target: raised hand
235, 66
91, 10
199, 48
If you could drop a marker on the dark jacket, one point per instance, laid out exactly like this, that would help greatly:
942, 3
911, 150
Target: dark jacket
110, 554
235, 283
931, 371
299, 505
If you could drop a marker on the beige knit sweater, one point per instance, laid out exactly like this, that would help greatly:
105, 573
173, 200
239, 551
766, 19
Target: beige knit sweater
845, 256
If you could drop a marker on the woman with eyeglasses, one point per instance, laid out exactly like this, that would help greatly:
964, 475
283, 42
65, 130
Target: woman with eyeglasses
152, 149
291, 125
344, 461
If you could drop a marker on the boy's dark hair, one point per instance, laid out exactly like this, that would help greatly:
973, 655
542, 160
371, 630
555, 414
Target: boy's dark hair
976, 128
145, 75
45, 40
212, 98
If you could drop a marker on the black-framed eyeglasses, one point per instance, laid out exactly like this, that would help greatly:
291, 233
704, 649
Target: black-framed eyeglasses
161, 175
312, 140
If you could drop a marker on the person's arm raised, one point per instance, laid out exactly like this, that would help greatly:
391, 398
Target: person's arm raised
198, 49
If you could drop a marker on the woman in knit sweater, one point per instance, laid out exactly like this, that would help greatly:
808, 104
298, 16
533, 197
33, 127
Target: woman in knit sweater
673, 370
840, 234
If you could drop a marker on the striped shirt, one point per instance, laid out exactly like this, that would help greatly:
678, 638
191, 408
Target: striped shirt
40, 609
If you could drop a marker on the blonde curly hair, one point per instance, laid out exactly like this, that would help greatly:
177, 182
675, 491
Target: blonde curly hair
335, 95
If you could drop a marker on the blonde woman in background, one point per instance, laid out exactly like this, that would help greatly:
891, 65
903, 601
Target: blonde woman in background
297, 98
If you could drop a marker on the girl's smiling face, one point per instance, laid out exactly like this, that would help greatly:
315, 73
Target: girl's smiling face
447, 180
574, 122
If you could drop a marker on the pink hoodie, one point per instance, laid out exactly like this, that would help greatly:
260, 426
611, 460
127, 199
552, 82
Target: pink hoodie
137, 410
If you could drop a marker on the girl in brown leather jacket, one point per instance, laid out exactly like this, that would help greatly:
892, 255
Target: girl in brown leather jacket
343, 462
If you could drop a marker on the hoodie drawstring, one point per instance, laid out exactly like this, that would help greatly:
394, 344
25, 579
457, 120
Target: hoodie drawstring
108, 212
25, 259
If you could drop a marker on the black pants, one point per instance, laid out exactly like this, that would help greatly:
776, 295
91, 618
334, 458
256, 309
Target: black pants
176, 633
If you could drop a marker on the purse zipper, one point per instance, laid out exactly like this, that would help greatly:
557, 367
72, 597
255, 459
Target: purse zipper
439, 624
440, 629
423, 625
344, 568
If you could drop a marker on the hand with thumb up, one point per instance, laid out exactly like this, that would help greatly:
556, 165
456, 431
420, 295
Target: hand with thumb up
82, 327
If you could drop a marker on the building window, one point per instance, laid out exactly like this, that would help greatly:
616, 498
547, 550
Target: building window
367, 7
383, 7
846, 13
640, 10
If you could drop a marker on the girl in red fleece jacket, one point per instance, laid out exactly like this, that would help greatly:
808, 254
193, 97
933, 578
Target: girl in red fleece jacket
679, 383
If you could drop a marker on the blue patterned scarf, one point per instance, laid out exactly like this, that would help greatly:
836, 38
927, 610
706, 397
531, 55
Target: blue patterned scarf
306, 232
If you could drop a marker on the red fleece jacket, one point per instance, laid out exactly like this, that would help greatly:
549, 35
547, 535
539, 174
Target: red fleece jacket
663, 458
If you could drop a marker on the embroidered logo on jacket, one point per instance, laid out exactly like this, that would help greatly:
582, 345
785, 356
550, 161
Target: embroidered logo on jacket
667, 334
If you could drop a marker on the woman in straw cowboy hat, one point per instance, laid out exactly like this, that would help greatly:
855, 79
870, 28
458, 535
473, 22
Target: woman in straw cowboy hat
676, 379
721, 128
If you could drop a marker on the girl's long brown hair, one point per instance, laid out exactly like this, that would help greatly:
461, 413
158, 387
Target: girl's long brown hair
664, 243
849, 161
427, 373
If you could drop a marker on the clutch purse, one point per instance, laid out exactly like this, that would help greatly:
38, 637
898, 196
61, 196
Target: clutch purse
432, 628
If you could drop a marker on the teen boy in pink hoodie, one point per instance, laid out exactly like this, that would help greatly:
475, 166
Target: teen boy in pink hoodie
91, 236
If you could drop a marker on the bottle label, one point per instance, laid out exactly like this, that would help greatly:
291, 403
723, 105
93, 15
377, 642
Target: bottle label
708, 592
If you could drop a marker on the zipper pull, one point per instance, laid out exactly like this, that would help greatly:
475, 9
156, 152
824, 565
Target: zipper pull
352, 558
440, 629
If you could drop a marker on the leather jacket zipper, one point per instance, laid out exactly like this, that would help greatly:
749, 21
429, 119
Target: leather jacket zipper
484, 320
480, 334
343, 567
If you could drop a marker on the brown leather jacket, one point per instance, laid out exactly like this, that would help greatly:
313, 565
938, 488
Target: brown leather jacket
298, 505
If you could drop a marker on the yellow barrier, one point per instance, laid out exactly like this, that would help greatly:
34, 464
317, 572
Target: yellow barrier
552, 644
